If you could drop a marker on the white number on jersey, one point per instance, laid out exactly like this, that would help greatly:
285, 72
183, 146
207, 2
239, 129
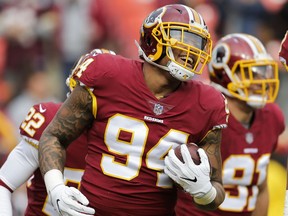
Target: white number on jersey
134, 149
248, 167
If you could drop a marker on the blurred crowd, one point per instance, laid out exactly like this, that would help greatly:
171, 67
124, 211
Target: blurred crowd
40, 40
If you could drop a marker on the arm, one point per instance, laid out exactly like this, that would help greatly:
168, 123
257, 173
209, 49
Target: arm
262, 203
212, 146
73, 117
19, 166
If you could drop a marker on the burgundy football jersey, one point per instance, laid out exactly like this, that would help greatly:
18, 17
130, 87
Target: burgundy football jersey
31, 130
133, 131
245, 157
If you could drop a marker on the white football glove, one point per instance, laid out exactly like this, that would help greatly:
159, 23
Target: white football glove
65, 200
70, 201
194, 179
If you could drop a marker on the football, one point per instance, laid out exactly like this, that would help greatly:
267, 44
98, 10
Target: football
192, 147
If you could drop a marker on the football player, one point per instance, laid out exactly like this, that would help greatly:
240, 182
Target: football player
283, 52
242, 70
22, 162
136, 111
283, 57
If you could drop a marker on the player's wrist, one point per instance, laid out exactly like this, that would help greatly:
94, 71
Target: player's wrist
53, 178
206, 198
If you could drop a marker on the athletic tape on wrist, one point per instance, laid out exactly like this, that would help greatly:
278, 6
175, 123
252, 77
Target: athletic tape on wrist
53, 178
207, 198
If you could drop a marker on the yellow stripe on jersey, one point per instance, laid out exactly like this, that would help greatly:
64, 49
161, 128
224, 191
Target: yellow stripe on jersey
94, 102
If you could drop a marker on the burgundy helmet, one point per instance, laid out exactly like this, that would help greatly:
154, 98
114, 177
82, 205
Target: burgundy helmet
172, 27
240, 67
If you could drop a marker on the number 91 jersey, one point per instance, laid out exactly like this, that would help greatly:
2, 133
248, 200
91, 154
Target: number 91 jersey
133, 131
245, 157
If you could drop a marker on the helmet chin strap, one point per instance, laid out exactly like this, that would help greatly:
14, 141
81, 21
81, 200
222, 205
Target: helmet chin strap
256, 101
174, 69
179, 72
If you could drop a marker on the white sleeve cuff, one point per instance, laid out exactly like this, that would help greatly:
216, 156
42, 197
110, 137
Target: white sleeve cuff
5, 200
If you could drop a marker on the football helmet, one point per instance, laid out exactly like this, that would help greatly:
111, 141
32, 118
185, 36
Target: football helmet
240, 67
173, 27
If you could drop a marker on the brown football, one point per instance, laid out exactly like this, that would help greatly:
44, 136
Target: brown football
192, 147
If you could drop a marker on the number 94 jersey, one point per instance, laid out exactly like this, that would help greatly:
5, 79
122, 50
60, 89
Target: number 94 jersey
133, 131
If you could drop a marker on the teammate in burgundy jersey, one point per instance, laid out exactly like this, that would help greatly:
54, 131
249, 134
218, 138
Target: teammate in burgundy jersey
247, 75
14, 176
22, 162
283, 57
283, 51
75, 163
137, 112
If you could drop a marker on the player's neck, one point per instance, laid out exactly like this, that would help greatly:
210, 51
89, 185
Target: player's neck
241, 111
160, 82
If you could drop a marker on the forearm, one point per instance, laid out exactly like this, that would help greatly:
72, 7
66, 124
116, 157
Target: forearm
65, 200
51, 154
73, 117
212, 144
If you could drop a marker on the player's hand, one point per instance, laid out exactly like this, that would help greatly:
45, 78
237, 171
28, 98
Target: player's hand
70, 201
194, 179
283, 52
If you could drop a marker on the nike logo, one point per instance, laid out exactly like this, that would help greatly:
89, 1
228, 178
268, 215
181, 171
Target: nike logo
57, 201
41, 109
188, 179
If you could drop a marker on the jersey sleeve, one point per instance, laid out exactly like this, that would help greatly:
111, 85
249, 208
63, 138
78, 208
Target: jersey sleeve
94, 71
278, 117
221, 114
217, 108
36, 120
93, 68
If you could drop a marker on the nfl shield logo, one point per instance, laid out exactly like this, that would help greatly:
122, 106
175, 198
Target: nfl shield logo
249, 138
158, 109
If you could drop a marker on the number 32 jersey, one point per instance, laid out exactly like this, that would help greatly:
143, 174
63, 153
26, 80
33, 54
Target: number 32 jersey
133, 131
